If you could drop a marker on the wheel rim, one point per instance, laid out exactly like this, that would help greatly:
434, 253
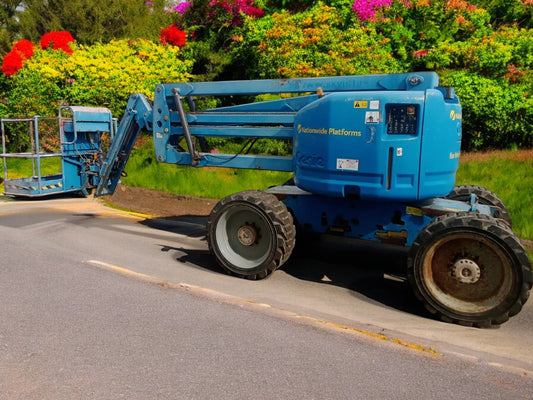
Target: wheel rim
468, 273
244, 237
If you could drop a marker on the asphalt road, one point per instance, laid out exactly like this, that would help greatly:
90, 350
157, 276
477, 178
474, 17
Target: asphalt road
96, 304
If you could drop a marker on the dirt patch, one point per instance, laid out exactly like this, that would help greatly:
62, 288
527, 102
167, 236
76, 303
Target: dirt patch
160, 204
521, 155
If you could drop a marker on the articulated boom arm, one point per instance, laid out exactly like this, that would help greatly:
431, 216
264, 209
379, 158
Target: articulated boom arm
138, 116
406, 81
178, 128
267, 119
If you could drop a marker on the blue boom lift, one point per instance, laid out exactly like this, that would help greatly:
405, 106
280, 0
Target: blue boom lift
374, 158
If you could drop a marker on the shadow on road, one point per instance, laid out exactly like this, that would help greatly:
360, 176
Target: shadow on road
189, 225
372, 270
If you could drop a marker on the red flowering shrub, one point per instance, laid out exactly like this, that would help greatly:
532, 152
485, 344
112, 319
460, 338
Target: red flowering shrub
57, 40
24, 47
12, 63
173, 36
20, 51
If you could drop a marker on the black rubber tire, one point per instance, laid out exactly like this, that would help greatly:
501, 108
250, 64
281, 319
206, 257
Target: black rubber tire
470, 269
251, 234
485, 196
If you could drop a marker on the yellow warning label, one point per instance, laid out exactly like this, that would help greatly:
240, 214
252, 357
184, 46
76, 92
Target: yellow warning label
414, 211
360, 104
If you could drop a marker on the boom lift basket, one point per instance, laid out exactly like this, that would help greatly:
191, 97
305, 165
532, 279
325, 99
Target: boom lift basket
62, 154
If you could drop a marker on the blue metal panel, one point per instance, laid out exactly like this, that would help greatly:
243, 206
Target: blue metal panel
359, 136
232, 118
345, 146
441, 144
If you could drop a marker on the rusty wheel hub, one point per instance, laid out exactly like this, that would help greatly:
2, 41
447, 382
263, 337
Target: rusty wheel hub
466, 271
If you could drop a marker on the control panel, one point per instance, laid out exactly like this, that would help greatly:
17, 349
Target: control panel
402, 119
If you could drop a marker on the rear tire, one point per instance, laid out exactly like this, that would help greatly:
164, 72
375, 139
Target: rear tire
484, 196
251, 234
470, 269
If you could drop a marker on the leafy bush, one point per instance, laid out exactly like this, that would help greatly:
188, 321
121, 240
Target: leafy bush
416, 27
314, 42
496, 114
212, 26
505, 12
505, 53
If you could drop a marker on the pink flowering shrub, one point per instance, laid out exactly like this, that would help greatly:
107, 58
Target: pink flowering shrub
212, 26
181, 7
213, 14
237, 8
368, 9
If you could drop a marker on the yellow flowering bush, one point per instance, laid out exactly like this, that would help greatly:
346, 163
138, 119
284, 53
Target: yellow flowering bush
98, 75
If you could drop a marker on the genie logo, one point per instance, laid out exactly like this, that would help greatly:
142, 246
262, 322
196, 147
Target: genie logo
310, 160
454, 115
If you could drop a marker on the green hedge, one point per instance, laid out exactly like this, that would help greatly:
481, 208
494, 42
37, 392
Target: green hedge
496, 114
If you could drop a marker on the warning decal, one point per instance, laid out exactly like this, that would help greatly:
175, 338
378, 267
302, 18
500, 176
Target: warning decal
372, 117
348, 164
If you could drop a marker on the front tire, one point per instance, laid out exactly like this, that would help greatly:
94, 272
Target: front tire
251, 234
470, 269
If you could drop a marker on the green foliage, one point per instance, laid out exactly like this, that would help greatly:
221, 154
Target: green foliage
8, 24
415, 29
212, 26
505, 53
508, 12
496, 114
93, 21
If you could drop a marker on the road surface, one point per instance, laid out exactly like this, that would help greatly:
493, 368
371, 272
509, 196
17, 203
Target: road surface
97, 302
